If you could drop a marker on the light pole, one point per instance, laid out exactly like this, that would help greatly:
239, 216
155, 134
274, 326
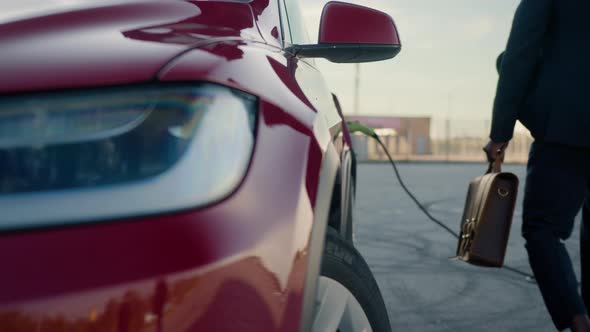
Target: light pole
448, 127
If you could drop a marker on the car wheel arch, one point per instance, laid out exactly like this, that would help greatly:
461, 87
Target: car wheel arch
341, 205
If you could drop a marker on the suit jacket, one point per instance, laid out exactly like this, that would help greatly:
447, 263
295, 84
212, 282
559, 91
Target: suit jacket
545, 74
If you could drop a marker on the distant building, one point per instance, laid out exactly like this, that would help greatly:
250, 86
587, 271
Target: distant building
402, 135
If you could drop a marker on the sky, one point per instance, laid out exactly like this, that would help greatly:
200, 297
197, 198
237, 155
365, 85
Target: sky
446, 68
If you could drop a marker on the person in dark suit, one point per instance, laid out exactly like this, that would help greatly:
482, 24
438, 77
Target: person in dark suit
545, 83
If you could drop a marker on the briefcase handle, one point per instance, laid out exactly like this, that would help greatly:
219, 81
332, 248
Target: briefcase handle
495, 166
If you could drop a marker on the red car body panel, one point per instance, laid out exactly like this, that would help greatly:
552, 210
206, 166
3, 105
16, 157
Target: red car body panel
101, 45
237, 265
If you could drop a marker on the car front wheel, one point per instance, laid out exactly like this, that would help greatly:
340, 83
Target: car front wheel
348, 298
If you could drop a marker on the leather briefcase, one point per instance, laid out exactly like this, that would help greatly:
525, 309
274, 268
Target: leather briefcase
487, 218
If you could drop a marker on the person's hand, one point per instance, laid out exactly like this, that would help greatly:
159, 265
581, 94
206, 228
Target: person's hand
495, 150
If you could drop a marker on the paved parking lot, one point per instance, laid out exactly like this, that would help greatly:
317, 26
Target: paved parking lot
423, 289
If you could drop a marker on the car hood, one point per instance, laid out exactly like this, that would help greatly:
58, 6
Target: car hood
79, 43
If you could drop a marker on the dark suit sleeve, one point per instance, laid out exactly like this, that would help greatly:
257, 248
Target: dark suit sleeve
518, 66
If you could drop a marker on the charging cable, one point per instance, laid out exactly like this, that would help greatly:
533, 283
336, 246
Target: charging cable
355, 126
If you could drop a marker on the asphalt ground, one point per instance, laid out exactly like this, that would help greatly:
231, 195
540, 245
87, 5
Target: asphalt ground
423, 289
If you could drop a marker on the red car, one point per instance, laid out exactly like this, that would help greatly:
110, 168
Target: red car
177, 166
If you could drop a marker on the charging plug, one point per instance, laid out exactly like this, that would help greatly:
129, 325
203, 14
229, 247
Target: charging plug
355, 126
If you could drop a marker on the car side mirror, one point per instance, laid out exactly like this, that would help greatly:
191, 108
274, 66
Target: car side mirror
351, 34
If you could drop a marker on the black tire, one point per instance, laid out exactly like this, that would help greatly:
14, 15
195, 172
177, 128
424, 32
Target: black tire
343, 263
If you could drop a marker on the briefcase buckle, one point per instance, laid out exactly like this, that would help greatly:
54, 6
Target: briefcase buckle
503, 192
468, 234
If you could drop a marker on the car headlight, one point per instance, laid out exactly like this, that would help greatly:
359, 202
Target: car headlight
108, 138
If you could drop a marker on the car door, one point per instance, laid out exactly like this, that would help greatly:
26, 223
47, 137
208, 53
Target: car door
308, 77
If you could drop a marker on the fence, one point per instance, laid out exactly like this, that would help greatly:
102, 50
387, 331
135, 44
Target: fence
453, 149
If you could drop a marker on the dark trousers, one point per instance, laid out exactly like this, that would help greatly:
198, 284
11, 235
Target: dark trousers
557, 187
